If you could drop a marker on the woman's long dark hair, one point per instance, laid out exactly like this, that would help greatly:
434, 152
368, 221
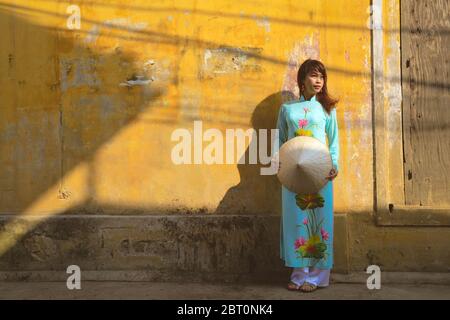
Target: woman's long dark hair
323, 97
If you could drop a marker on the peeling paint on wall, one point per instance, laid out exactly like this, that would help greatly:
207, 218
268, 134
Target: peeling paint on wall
308, 48
347, 56
137, 81
263, 22
78, 72
394, 92
226, 60
93, 34
125, 23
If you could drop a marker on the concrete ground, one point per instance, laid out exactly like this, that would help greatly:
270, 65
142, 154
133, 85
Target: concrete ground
175, 291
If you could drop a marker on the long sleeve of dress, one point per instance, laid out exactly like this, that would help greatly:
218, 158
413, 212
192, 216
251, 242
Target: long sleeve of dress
332, 132
282, 126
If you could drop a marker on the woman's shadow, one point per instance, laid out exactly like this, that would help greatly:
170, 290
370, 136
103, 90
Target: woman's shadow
257, 194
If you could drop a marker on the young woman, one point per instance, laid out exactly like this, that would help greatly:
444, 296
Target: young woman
306, 242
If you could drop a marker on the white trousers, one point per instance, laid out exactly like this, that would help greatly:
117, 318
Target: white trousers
318, 277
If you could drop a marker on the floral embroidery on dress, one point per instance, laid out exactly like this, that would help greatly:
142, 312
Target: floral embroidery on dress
303, 124
314, 247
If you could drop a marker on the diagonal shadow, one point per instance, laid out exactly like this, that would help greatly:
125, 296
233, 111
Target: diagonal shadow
176, 40
246, 16
59, 109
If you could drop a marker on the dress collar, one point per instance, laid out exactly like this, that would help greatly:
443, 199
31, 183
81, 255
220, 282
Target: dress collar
313, 98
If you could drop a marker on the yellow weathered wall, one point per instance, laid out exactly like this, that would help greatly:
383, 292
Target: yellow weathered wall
70, 133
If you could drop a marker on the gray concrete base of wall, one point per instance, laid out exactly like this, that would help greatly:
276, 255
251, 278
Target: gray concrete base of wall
211, 248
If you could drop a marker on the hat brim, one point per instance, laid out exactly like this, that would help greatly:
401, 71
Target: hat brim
305, 164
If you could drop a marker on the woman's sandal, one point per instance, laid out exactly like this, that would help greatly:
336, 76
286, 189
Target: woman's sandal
308, 287
293, 287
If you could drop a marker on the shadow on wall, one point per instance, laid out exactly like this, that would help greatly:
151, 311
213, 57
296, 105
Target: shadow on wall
64, 99
61, 101
256, 192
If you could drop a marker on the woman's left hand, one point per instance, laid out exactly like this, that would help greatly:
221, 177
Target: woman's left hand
332, 175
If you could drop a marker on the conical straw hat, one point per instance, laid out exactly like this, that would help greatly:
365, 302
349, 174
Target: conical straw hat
304, 164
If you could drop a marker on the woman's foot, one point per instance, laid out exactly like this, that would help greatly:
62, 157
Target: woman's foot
308, 287
293, 287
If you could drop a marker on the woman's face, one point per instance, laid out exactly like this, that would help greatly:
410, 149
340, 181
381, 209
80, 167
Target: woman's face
313, 83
